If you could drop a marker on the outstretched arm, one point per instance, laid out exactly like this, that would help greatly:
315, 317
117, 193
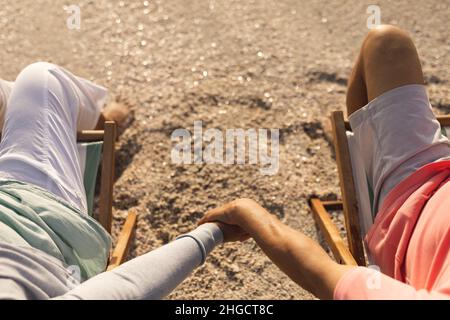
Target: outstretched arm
155, 274
300, 257
306, 263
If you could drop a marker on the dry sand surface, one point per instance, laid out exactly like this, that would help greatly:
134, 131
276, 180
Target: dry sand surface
232, 64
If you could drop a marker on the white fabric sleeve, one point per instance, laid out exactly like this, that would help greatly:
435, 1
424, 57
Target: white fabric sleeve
155, 274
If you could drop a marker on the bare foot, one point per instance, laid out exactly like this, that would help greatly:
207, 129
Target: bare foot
116, 111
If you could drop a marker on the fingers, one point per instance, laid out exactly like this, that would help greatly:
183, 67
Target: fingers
232, 232
217, 214
212, 217
206, 218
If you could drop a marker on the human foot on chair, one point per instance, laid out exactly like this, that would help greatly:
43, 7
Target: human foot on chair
114, 111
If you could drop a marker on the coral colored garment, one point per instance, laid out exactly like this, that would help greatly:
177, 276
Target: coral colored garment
409, 241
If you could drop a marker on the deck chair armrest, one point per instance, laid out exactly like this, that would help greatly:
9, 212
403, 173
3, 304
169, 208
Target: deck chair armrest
331, 233
123, 241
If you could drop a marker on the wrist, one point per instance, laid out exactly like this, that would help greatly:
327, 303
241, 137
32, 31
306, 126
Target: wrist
256, 220
207, 236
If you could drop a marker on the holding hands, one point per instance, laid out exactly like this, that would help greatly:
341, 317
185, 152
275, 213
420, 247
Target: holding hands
237, 219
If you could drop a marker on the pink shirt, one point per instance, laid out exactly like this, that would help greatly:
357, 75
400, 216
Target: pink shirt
409, 241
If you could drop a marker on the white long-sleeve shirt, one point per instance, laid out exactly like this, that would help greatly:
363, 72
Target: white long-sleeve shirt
28, 273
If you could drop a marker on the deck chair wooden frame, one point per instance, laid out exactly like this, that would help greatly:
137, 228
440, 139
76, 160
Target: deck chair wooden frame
351, 253
105, 215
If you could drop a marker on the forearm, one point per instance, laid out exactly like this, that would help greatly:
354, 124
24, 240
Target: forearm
152, 275
300, 257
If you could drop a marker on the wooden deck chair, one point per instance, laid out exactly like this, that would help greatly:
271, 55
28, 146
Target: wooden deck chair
357, 197
95, 146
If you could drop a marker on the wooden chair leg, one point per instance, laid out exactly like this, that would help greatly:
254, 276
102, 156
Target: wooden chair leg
123, 241
331, 233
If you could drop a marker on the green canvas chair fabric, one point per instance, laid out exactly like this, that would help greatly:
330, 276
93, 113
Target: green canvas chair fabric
46, 232
90, 154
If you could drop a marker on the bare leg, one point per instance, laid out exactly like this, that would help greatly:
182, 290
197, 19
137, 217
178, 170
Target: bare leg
388, 59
